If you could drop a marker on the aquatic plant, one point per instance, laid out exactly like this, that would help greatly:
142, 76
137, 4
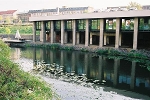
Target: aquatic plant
69, 48
54, 46
84, 50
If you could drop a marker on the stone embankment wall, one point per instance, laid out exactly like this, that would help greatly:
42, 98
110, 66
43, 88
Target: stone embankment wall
24, 36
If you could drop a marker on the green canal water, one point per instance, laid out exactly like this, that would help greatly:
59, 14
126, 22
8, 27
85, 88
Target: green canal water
111, 73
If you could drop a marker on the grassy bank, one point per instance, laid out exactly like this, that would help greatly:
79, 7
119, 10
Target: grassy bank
16, 84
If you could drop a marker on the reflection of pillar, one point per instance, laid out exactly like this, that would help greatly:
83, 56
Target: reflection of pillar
43, 33
73, 61
116, 75
117, 33
62, 58
44, 54
105, 39
74, 32
135, 36
34, 31
52, 32
132, 84
87, 33
62, 32
51, 57
41, 54
101, 32
86, 63
34, 55
101, 72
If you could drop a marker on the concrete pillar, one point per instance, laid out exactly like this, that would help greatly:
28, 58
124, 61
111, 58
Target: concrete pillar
105, 37
43, 33
62, 32
87, 33
74, 31
135, 35
77, 38
120, 39
116, 75
117, 33
34, 31
65, 37
132, 84
52, 31
90, 38
101, 32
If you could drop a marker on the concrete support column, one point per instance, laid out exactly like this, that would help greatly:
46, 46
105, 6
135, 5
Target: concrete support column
132, 84
65, 37
43, 33
117, 33
116, 67
34, 31
77, 38
105, 39
120, 38
87, 33
52, 31
135, 35
91, 39
101, 32
74, 31
62, 32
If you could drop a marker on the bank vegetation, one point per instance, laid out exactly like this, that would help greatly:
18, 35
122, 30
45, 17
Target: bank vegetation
15, 84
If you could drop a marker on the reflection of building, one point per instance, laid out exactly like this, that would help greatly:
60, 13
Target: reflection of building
16, 53
8, 17
61, 11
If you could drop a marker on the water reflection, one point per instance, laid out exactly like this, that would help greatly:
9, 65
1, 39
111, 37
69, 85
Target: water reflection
116, 73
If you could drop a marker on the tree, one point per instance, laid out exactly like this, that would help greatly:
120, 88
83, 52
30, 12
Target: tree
1, 18
134, 4
8, 21
7, 31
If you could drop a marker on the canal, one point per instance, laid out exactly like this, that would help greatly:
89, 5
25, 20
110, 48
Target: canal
111, 74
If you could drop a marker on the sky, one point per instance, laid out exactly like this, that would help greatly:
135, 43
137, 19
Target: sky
25, 5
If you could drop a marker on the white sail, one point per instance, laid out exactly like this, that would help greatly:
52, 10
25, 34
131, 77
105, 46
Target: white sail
17, 35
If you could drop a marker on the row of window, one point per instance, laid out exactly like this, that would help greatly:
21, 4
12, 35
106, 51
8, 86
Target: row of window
110, 24
54, 13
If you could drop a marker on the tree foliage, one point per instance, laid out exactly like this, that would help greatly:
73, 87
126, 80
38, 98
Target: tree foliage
7, 30
134, 4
